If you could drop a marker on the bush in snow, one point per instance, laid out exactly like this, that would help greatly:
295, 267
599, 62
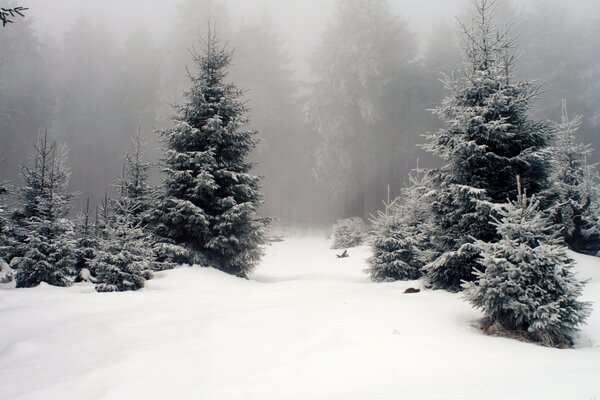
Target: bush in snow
348, 232
526, 285
6, 272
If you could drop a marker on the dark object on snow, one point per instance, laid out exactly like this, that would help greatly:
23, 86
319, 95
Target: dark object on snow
411, 290
343, 255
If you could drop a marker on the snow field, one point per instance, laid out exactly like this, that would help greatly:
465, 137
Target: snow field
306, 326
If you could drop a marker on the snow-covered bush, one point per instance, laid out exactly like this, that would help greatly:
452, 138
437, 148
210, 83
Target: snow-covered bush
348, 232
526, 286
6, 272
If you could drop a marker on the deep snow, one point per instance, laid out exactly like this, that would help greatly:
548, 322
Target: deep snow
306, 326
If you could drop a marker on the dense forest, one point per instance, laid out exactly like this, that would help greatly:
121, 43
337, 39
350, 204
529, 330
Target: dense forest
330, 144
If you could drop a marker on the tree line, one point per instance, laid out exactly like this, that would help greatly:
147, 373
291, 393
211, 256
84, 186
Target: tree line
513, 191
330, 146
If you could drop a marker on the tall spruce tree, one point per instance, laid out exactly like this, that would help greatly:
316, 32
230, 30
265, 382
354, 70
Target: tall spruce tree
488, 139
574, 179
525, 281
211, 200
48, 246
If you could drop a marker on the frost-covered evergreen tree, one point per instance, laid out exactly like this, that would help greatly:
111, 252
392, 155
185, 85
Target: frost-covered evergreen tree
5, 228
525, 281
133, 185
488, 139
574, 181
400, 234
211, 199
48, 248
86, 244
124, 259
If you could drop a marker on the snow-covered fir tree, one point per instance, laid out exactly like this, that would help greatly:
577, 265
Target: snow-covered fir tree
133, 184
488, 139
5, 228
103, 216
574, 181
211, 199
48, 247
124, 258
525, 280
86, 244
399, 235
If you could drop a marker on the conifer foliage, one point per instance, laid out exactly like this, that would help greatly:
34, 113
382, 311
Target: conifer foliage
86, 244
211, 200
574, 183
124, 257
5, 227
48, 248
526, 284
488, 139
400, 234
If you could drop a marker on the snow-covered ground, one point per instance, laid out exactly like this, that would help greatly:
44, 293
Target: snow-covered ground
307, 326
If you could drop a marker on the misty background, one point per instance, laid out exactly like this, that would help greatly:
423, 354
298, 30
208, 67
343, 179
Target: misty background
340, 92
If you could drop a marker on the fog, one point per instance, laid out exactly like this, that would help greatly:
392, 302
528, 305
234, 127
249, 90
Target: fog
92, 72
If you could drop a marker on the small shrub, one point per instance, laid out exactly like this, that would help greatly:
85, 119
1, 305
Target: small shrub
348, 232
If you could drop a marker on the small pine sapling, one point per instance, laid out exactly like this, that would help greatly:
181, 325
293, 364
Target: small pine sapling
399, 237
85, 246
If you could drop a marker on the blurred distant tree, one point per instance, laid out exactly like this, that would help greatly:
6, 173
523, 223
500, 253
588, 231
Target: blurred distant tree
192, 23
362, 104
282, 155
90, 104
26, 103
